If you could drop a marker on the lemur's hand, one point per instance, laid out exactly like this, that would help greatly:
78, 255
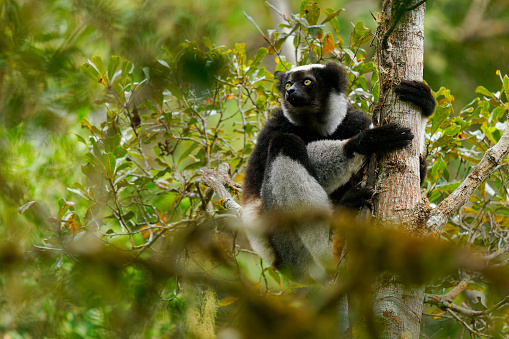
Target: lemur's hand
418, 93
383, 138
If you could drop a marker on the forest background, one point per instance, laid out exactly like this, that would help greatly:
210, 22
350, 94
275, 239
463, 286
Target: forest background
47, 103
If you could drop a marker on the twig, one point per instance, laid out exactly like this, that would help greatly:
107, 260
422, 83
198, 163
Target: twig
465, 324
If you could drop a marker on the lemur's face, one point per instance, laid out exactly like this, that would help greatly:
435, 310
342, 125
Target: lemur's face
313, 95
300, 88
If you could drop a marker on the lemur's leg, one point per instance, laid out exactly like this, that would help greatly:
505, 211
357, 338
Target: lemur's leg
292, 195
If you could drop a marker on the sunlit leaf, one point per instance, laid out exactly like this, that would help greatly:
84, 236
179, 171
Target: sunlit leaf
311, 11
262, 52
482, 90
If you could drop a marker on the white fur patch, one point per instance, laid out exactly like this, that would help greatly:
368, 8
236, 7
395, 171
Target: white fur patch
305, 67
337, 108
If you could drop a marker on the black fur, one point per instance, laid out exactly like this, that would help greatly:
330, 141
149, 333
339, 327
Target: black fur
383, 138
417, 93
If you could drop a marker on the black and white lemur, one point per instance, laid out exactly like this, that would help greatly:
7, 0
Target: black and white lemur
303, 161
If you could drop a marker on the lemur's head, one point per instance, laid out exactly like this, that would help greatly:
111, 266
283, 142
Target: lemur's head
313, 96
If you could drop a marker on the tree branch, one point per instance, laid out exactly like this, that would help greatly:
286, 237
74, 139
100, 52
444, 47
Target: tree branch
217, 181
447, 208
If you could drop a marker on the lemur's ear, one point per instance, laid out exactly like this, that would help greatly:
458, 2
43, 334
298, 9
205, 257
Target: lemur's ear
334, 76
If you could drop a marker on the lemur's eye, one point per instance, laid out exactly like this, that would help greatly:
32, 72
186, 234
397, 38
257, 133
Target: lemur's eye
307, 82
288, 85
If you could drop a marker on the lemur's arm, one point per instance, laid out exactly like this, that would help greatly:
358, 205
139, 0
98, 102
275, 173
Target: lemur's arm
336, 161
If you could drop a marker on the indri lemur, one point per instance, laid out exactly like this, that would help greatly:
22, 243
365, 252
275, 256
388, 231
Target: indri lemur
303, 161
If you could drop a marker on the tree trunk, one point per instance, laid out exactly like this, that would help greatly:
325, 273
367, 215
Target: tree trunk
397, 308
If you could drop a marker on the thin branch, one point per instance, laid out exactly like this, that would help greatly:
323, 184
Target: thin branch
448, 207
465, 324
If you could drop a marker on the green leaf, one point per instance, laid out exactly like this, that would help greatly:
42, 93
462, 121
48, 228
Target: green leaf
206, 41
253, 22
91, 72
127, 68
110, 163
186, 153
437, 170
441, 114
262, 52
150, 105
482, 90
316, 31
311, 11
78, 192
113, 66
123, 166
119, 152
274, 275
359, 33
331, 14
86, 124
334, 22
97, 61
